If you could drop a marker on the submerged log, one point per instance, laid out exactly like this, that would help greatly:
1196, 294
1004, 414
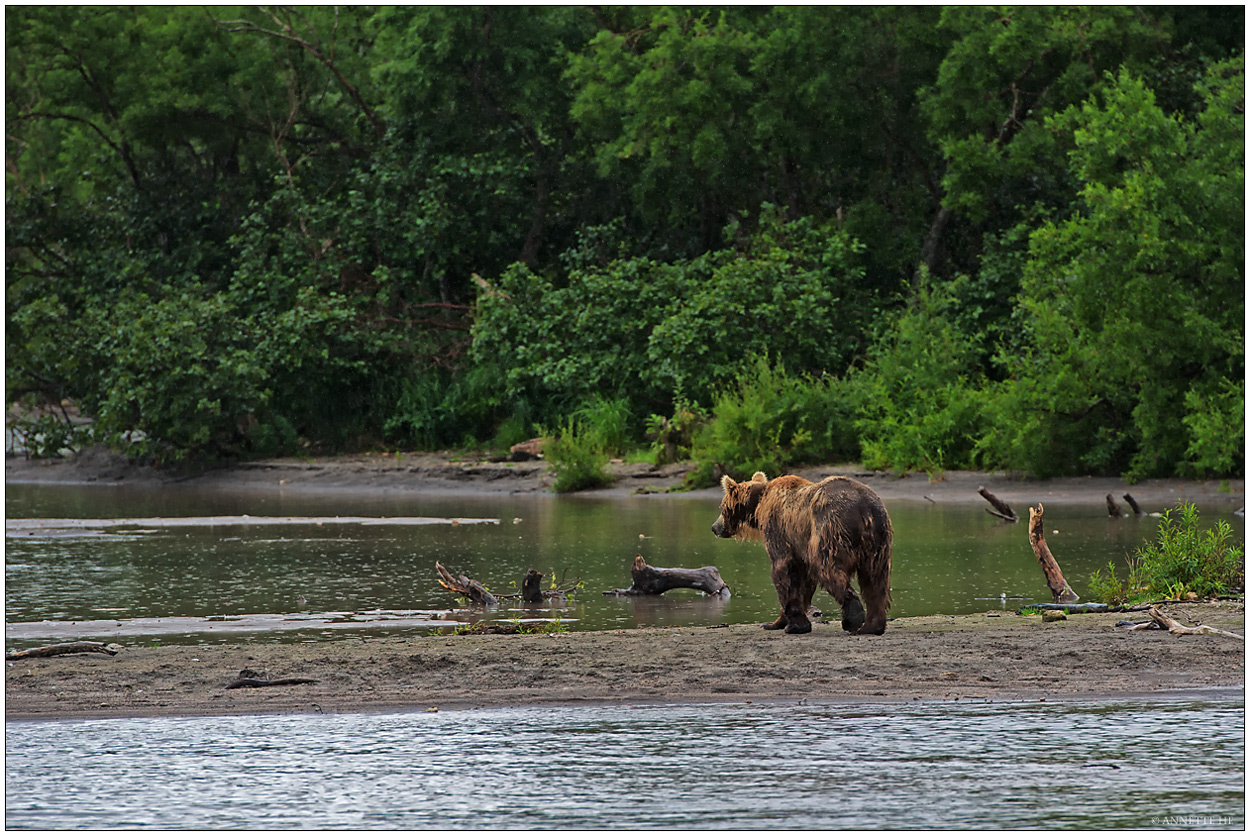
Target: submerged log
1132, 503
1059, 589
465, 586
1113, 510
64, 649
652, 580
1001, 509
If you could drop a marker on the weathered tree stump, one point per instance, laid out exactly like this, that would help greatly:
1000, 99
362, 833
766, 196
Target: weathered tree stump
1113, 510
1001, 509
64, 649
652, 580
1059, 588
465, 586
532, 587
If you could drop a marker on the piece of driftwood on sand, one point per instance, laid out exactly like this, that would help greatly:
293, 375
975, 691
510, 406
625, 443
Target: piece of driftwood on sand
64, 649
1159, 620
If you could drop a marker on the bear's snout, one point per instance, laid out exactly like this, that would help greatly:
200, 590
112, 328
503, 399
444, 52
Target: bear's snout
718, 527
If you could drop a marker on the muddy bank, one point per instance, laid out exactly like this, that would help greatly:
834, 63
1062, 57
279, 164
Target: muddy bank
994, 656
449, 474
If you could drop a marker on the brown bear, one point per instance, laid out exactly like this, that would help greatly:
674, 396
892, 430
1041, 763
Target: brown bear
816, 534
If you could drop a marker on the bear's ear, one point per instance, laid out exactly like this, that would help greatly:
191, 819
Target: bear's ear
727, 482
759, 477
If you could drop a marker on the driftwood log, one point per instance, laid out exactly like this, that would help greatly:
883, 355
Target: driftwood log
63, 649
1073, 608
249, 678
652, 580
465, 586
1132, 503
1159, 620
1059, 589
1001, 509
1113, 510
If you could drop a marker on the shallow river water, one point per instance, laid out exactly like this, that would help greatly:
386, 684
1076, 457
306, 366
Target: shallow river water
176, 573
1164, 764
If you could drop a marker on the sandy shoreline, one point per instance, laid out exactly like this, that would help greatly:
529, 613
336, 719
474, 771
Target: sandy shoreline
996, 655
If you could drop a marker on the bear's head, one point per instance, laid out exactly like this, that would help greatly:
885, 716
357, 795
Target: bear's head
737, 508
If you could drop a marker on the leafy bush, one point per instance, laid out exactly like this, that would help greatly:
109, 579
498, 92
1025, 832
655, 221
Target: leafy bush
577, 456
1216, 421
607, 421
769, 420
1182, 560
658, 332
917, 400
672, 439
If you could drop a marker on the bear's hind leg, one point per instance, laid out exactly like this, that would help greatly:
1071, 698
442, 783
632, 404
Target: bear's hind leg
852, 612
876, 601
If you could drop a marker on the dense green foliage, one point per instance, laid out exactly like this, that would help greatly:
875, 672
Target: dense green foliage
928, 238
1183, 560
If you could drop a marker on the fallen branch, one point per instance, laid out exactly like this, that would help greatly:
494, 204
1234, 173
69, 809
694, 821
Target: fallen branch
64, 649
1059, 589
466, 587
251, 679
1132, 503
1001, 509
1177, 629
652, 580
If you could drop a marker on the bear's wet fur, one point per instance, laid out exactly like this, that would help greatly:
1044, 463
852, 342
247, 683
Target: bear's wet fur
816, 534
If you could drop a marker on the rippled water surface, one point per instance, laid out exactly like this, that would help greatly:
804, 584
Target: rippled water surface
1172, 764
150, 582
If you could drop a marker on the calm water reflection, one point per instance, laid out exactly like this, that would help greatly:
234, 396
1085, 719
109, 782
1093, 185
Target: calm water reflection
931, 765
358, 579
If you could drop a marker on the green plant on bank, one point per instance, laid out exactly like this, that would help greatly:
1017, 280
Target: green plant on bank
577, 456
672, 439
1181, 561
768, 420
555, 625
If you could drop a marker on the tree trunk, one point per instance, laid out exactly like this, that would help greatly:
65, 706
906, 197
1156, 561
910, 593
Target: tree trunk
652, 580
1059, 588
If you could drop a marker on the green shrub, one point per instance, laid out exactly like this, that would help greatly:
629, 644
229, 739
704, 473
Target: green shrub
672, 439
1181, 560
769, 420
917, 398
577, 456
1216, 420
607, 421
